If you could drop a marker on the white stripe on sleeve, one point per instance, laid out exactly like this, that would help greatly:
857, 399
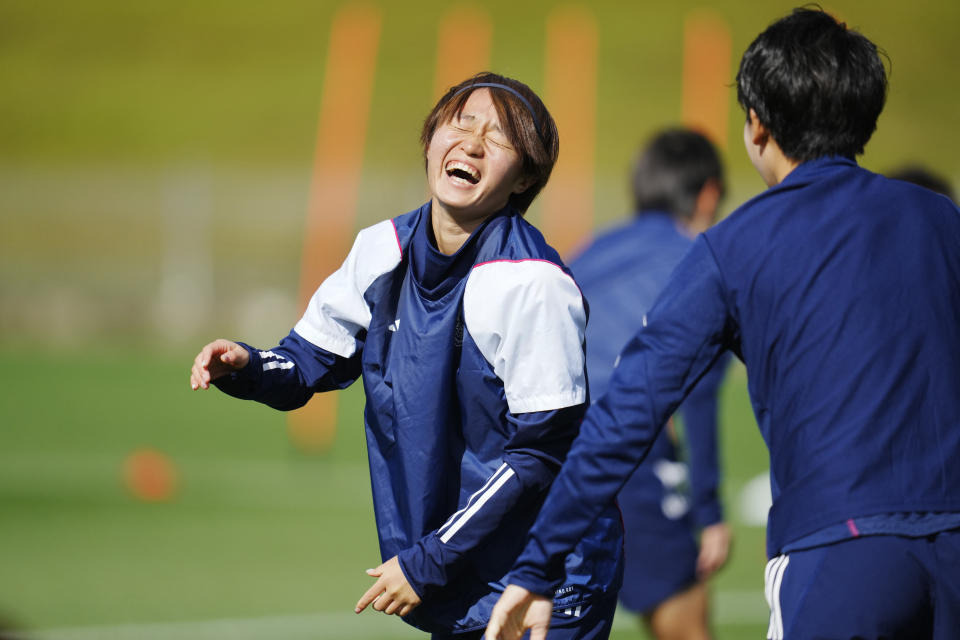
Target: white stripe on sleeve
472, 509
490, 480
268, 366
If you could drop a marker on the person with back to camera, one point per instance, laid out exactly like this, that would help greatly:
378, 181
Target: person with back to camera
468, 333
840, 290
677, 183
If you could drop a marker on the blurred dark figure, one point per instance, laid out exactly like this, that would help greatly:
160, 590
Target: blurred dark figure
8, 628
923, 177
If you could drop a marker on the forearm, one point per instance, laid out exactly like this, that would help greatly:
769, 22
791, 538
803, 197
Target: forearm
700, 414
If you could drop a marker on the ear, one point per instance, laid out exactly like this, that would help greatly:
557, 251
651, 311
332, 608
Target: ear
708, 200
759, 134
705, 207
523, 183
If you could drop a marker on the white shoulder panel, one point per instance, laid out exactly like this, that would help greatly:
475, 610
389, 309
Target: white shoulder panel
338, 311
527, 318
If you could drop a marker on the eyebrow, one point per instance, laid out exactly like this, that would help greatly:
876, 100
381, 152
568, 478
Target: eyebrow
470, 116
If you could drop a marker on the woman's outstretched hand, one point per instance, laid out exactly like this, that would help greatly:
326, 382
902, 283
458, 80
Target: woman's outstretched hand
215, 360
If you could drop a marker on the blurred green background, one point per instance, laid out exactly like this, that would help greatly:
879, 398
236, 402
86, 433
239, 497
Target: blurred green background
155, 166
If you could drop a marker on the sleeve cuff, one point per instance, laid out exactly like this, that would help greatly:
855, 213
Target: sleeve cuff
533, 581
706, 515
424, 565
241, 383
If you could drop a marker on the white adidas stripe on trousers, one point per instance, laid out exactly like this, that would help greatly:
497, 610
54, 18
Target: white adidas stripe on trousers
772, 580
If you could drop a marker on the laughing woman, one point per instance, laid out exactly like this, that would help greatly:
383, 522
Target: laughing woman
468, 333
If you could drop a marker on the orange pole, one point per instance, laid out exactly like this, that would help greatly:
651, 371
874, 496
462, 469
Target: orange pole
706, 74
571, 92
463, 46
335, 183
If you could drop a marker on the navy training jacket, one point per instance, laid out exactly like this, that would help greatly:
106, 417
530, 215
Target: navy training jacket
473, 368
840, 290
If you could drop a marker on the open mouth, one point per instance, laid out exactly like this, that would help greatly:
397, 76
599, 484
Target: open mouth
462, 171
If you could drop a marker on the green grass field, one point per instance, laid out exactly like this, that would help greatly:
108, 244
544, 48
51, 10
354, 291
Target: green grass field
256, 530
155, 167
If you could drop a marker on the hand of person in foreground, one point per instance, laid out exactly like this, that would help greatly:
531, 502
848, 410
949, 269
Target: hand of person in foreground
391, 593
516, 611
714, 549
215, 360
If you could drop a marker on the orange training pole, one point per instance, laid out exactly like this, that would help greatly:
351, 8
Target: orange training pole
571, 96
344, 112
706, 74
463, 46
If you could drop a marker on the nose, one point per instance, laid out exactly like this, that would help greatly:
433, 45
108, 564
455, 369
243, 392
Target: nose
472, 145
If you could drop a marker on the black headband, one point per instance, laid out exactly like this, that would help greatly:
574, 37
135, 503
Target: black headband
497, 85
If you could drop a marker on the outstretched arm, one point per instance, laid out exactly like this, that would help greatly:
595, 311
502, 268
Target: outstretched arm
700, 416
323, 351
284, 377
686, 330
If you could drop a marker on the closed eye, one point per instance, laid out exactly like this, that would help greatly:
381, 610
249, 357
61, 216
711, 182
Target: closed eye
500, 142
494, 136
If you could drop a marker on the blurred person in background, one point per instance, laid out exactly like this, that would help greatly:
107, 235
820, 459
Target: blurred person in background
468, 332
677, 184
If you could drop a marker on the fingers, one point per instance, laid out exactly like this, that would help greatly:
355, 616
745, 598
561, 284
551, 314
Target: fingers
503, 627
216, 359
705, 567
371, 595
200, 372
373, 592
714, 549
493, 629
392, 607
538, 633
708, 562
236, 356
379, 599
384, 602
391, 593
505, 619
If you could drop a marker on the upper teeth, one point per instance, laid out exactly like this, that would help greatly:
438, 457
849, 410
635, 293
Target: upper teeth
462, 166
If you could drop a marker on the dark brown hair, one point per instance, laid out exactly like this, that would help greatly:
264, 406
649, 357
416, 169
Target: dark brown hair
533, 135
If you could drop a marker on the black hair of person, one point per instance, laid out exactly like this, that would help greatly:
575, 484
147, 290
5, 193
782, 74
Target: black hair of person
817, 86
